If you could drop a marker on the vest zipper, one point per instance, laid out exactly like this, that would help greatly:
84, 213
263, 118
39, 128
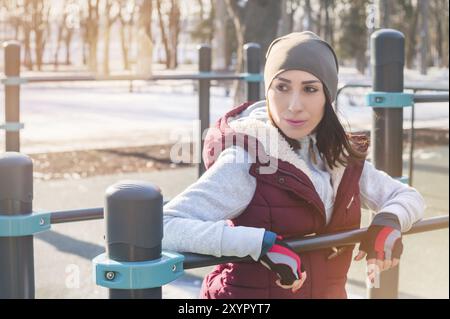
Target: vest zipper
351, 201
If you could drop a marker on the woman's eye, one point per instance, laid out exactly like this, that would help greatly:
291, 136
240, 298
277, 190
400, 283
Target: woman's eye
282, 87
310, 89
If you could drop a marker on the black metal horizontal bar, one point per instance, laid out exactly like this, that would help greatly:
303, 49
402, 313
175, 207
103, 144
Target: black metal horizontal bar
314, 243
434, 98
78, 215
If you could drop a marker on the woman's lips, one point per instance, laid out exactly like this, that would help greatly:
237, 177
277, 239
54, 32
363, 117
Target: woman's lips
295, 123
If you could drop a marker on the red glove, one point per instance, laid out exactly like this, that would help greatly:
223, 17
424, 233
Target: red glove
382, 243
284, 261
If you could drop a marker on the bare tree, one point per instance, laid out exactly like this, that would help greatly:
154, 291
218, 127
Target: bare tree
307, 18
170, 34
32, 17
284, 22
292, 6
27, 29
233, 11
61, 23
445, 50
423, 7
112, 11
249, 19
174, 32
72, 23
325, 20
384, 13
438, 33
329, 20
126, 18
66, 24
163, 31
144, 39
41, 12
15, 16
90, 25
220, 35
412, 16
205, 24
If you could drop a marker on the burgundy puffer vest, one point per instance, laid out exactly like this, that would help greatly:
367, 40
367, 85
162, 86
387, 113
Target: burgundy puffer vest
287, 203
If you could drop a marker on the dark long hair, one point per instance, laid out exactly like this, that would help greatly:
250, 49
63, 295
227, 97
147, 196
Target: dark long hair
335, 145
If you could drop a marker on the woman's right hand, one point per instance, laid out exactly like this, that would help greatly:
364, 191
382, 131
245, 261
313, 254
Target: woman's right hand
286, 263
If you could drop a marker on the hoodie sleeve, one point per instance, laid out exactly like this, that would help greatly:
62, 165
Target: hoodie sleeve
195, 220
383, 194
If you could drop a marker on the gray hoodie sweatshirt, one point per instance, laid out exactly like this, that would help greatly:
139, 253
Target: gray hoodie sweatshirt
196, 219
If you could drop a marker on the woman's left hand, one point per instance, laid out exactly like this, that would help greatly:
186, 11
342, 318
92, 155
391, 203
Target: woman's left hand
382, 246
296, 285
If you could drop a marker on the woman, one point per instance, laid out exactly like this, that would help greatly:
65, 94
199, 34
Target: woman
284, 168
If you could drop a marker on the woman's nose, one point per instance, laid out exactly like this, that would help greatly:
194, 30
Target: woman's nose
295, 104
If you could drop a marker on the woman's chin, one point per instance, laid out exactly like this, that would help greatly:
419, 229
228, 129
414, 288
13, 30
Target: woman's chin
296, 134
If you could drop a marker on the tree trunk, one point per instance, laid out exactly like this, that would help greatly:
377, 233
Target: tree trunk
106, 39
60, 37
249, 21
439, 40
283, 23
126, 34
319, 20
58, 45
212, 15
384, 14
68, 41
445, 52
329, 5
220, 36
308, 15
441, 13
110, 20
233, 11
163, 33
412, 39
27, 60
174, 30
123, 44
291, 16
423, 5
144, 38
40, 29
92, 34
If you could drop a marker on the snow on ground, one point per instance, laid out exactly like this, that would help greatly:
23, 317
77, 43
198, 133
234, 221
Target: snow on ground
80, 115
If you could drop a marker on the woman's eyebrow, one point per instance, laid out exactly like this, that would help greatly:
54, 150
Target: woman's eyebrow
303, 82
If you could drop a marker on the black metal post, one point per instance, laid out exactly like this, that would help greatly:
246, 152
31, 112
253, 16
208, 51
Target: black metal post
387, 62
16, 253
204, 65
252, 65
12, 96
134, 229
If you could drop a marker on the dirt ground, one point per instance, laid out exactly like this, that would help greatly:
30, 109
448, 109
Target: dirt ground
109, 161
87, 163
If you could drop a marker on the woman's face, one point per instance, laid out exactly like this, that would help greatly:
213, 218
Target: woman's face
296, 102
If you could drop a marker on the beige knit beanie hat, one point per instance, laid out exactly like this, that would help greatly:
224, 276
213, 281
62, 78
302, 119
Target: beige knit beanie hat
303, 51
